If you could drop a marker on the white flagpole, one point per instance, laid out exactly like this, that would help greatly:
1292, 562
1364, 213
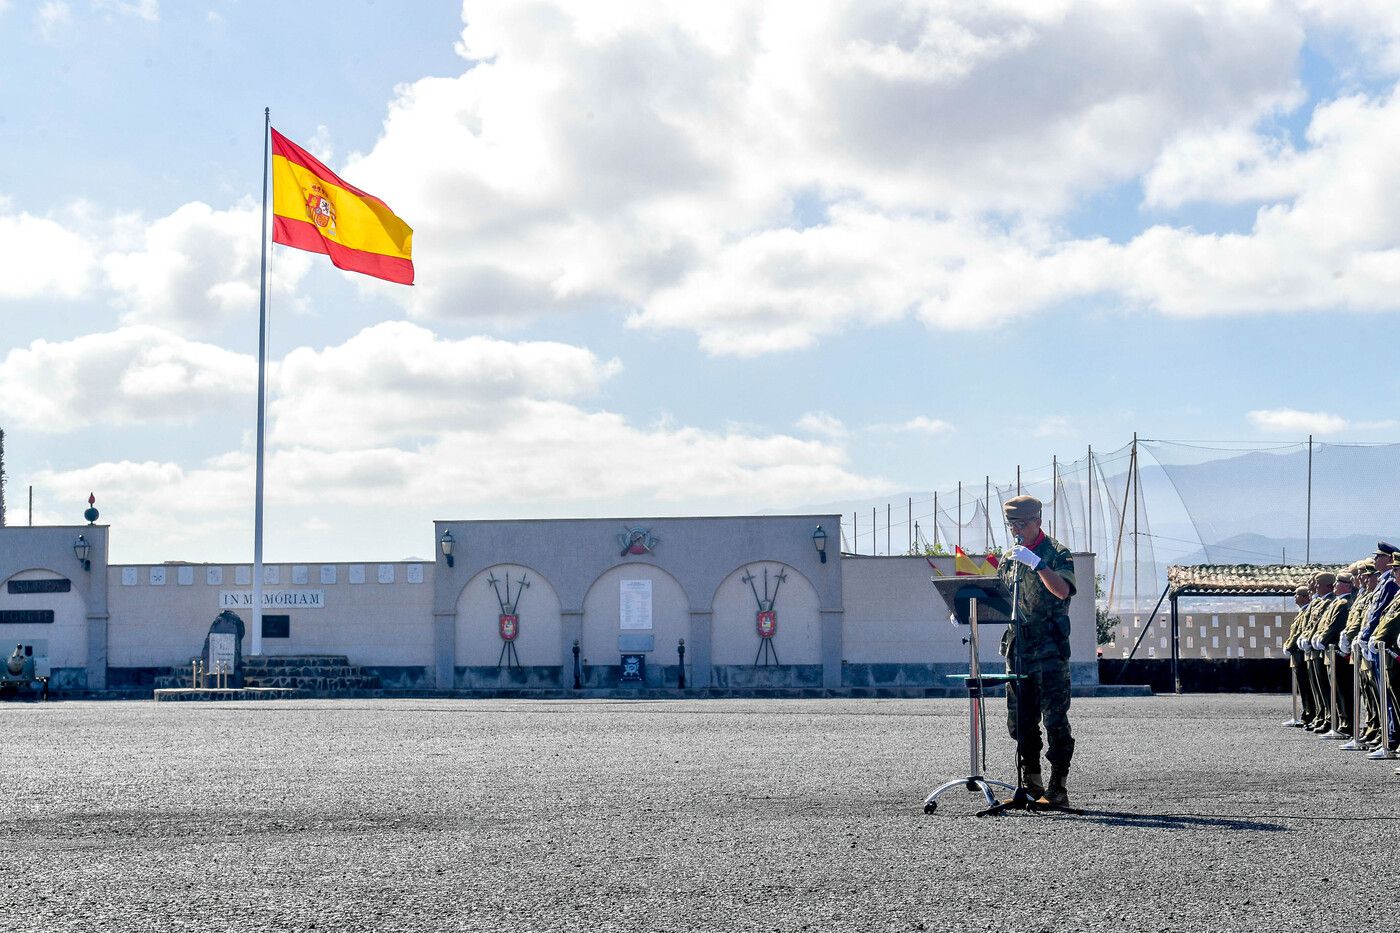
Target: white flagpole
262, 407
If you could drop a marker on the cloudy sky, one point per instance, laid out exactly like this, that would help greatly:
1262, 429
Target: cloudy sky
680, 258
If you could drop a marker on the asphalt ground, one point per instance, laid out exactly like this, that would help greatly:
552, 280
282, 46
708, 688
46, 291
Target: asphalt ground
1203, 813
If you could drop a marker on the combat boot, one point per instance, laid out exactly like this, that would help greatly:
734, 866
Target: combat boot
1035, 785
1056, 792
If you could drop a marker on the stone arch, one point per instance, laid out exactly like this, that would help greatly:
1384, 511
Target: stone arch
478, 619
602, 604
734, 636
65, 639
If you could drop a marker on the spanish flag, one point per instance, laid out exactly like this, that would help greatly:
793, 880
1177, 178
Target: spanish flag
312, 209
963, 566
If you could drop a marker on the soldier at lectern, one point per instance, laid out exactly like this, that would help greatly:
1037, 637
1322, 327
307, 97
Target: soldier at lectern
1041, 572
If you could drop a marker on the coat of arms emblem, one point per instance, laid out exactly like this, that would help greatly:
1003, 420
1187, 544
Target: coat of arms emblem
767, 617
637, 540
509, 619
322, 211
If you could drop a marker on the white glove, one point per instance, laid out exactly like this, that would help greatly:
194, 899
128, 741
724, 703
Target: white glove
1318, 644
1024, 555
1344, 645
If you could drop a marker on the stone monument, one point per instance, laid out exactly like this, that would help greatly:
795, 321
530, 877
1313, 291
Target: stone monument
224, 645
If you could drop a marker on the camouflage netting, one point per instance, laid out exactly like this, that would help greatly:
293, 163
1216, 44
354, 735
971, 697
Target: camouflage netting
1243, 579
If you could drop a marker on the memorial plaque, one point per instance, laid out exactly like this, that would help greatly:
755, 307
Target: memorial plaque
328, 574
299, 576
184, 576
635, 604
413, 573
634, 669
386, 573
21, 587
129, 577
277, 626
214, 576
272, 575
26, 617
242, 576
223, 650
157, 576
356, 573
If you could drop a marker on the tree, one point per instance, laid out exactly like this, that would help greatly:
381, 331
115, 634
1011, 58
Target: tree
1105, 625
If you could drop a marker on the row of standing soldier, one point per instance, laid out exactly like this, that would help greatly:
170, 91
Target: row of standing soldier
1347, 626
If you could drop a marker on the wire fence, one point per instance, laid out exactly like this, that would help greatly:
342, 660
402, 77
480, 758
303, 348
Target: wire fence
1152, 503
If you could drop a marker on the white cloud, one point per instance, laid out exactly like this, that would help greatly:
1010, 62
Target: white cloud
1052, 426
397, 380
662, 157
132, 375
149, 10
819, 422
923, 424
1295, 423
52, 17
40, 257
197, 264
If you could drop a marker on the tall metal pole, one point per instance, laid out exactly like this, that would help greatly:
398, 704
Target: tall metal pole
855, 532
959, 513
911, 524
1055, 493
935, 521
987, 510
1018, 479
1089, 495
1137, 494
874, 533
262, 407
889, 534
1307, 548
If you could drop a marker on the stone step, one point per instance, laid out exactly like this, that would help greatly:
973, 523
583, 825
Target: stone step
295, 660
295, 675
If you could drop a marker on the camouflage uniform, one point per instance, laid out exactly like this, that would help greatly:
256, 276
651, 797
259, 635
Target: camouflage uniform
1299, 662
1041, 652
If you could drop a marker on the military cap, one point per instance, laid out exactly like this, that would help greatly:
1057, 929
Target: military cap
1325, 578
1384, 548
1366, 566
1345, 577
1301, 591
1021, 508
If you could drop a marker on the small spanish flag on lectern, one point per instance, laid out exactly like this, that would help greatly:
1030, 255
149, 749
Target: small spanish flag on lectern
314, 210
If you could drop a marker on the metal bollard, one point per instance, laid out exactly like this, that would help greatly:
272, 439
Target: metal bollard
1384, 751
1356, 718
680, 650
578, 683
1329, 661
1293, 677
194, 673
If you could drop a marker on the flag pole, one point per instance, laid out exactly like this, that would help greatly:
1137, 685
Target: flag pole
262, 407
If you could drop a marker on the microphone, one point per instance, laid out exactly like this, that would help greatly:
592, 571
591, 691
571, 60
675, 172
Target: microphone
1020, 540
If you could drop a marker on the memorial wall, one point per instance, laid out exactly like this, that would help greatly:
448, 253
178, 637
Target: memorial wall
743, 603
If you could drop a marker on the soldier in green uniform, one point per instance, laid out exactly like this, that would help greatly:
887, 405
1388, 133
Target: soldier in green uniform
1322, 584
1302, 597
1327, 639
1041, 571
1370, 698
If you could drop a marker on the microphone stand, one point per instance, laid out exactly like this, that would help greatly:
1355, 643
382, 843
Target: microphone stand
1021, 799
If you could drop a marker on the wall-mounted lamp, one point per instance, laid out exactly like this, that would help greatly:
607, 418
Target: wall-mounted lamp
81, 550
447, 543
819, 541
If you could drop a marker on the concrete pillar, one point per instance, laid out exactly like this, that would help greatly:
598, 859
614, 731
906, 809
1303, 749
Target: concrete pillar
445, 649
97, 615
832, 647
697, 650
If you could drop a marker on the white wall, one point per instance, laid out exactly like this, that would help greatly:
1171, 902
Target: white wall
601, 607
735, 631
66, 638
478, 619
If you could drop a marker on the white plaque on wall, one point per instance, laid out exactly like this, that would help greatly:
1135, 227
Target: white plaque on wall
184, 576
299, 576
214, 576
328, 573
272, 574
243, 576
128, 576
356, 573
386, 573
157, 576
635, 604
413, 573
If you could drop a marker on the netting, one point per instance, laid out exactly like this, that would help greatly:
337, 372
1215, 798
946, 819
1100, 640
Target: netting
1155, 503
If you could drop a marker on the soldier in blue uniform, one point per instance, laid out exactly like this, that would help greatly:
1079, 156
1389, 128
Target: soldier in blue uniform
1038, 646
